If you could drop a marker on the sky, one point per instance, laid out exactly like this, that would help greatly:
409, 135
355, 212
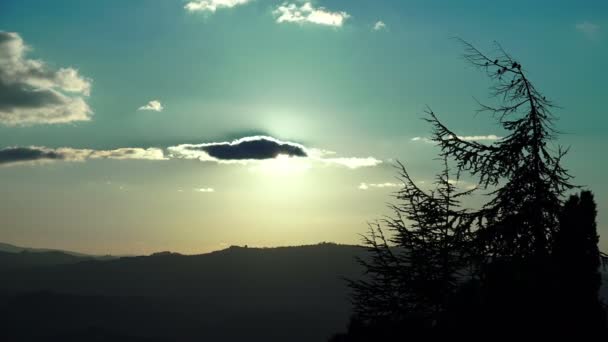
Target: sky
131, 127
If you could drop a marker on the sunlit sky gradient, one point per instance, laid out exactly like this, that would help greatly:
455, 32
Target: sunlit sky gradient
352, 77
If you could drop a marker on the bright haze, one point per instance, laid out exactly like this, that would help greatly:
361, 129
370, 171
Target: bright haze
131, 127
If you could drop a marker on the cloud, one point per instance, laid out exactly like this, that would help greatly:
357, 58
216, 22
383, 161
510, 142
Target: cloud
352, 163
153, 105
265, 153
129, 153
589, 29
244, 149
292, 13
206, 190
40, 154
460, 184
423, 139
263, 148
13, 155
490, 137
212, 5
33, 93
367, 186
379, 25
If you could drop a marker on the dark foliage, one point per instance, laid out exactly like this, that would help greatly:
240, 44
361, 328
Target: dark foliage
577, 257
414, 274
524, 263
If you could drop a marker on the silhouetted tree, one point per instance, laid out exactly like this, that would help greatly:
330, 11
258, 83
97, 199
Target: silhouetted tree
516, 228
414, 272
577, 258
499, 268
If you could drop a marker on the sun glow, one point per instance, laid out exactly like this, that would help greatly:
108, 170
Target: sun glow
282, 165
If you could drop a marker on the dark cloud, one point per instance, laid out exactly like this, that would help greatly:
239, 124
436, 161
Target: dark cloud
259, 148
12, 155
255, 148
21, 155
18, 96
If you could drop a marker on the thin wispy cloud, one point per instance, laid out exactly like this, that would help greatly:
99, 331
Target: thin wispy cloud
153, 105
205, 190
367, 186
490, 137
589, 29
40, 154
212, 5
462, 184
458, 183
307, 13
31, 92
422, 139
379, 26
352, 162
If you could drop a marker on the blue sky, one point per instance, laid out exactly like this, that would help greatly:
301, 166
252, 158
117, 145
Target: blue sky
322, 77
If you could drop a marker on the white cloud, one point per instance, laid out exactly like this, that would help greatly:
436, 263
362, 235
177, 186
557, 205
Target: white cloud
352, 162
129, 153
292, 13
153, 105
490, 137
33, 93
422, 139
459, 184
206, 190
367, 186
379, 25
462, 184
212, 5
589, 29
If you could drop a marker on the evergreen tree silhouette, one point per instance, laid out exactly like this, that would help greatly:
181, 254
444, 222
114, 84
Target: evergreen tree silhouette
577, 258
516, 228
413, 273
525, 264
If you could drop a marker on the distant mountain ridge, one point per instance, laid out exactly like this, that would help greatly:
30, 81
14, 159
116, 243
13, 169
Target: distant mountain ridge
270, 294
9, 248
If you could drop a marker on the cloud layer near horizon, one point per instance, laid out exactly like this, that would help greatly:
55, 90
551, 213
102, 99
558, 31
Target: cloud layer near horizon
33, 93
258, 148
248, 150
36, 154
490, 137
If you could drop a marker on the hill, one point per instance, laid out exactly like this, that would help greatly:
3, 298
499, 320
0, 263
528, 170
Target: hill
273, 294
25, 259
9, 248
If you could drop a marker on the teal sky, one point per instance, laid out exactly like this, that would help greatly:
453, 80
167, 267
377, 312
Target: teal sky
330, 79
